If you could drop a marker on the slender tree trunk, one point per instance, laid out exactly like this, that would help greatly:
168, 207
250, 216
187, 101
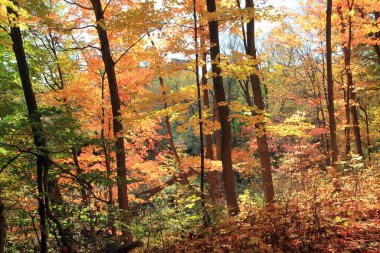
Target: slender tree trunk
36, 125
319, 111
198, 84
212, 176
206, 217
376, 47
351, 95
347, 129
107, 159
366, 118
79, 172
109, 65
324, 136
330, 86
46, 189
226, 136
173, 149
258, 100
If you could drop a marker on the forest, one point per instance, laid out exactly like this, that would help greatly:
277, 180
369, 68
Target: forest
189, 126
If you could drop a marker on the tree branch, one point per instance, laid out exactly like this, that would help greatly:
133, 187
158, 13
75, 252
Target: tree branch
126, 51
10, 161
79, 5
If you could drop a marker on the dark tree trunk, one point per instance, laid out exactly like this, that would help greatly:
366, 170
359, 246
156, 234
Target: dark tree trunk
351, 95
330, 86
347, 129
321, 104
212, 176
35, 121
376, 47
324, 137
46, 188
226, 136
367, 122
107, 158
206, 217
43, 161
109, 65
258, 100
79, 173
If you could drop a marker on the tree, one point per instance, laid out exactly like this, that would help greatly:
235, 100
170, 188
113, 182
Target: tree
109, 65
47, 189
346, 30
261, 136
223, 109
330, 86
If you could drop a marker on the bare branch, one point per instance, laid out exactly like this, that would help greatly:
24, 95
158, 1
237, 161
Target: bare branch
73, 28
10, 161
126, 51
107, 4
81, 48
79, 5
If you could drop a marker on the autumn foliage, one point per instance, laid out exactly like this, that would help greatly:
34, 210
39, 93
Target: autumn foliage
189, 126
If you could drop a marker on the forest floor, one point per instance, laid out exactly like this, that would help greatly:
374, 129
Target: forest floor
253, 234
329, 217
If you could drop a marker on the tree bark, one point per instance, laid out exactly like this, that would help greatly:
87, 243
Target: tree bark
46, 188
35, 121
367, 122
218, 141
347, 129
199, 103
258, 100
109, 65
226, 135
330, 87
107, 158
377, 36
325, 136
351, 95
213, 177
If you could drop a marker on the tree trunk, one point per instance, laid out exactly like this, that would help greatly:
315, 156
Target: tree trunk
261, 137
324, 136
228, 174
351, 96
35, 121
109, 65
212, 176
218, 141
376, 47
45, 187
367, 122
107, 158
206, 217
173, 149
347, 129
79, 173
330, 86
